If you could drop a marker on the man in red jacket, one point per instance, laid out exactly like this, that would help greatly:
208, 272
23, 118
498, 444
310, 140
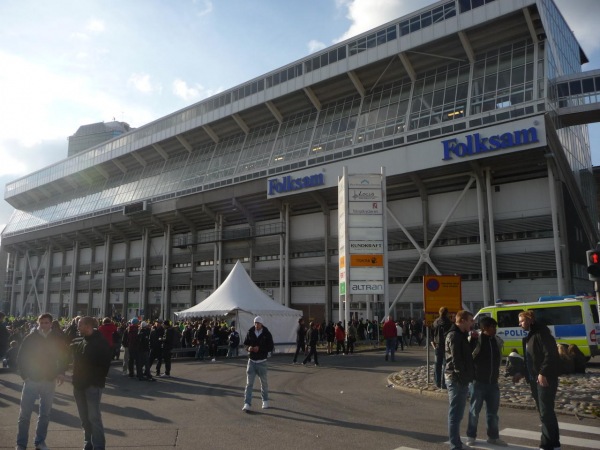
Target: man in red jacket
390, 335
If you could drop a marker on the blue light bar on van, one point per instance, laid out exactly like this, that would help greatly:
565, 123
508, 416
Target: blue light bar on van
550, 298
508, 301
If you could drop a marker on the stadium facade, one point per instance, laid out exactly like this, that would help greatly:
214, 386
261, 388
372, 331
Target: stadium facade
460, 104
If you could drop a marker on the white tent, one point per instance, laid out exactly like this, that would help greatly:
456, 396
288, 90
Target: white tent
239, 299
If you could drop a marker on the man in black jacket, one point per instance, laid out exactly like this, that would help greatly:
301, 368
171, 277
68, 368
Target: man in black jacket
91, 361
312, 338
459, 373
441, 326
42, 362
541, 360
258, 343
487, 357
300, 339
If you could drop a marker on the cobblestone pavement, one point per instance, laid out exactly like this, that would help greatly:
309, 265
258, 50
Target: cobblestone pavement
578, 394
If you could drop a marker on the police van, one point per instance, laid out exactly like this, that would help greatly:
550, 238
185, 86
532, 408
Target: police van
571, 320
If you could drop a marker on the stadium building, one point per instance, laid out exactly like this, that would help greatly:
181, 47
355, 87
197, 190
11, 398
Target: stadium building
474, 110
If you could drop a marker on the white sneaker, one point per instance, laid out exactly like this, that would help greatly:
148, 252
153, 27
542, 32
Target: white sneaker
470, 441
265, 405
246, 407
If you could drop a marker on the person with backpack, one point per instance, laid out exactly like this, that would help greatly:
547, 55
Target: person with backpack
234, 342
441, 326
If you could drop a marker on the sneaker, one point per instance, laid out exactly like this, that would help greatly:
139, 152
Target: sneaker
303, 363
497, 441
470, 441
20, 447
246, 407
265, 405
41, 446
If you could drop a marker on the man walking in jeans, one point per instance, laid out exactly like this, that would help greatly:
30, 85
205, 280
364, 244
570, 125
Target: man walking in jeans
258, 343
487, 357
91, 361
460, 371
42, 364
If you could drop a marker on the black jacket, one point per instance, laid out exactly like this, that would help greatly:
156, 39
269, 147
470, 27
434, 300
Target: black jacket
487, 357
313, 337
300, 334
459, 360
441, 326
541, 353
42, 358
264, 342
91, 361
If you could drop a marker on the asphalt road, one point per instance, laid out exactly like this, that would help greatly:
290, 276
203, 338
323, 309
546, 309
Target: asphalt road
345, 403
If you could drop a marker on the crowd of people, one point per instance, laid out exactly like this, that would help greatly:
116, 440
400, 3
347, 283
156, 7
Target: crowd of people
467, 364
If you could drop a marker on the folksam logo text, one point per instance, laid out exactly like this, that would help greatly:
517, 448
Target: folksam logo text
289, 183
475, 144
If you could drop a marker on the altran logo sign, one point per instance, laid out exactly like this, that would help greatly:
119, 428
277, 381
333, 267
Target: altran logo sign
289, 183
474, 144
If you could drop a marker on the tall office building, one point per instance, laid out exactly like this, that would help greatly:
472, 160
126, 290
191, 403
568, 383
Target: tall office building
474, 109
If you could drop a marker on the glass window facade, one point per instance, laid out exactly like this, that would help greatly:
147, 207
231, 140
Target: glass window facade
502, 84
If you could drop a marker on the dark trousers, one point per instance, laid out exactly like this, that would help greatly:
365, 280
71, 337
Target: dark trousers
311, 353
439, 368
544, 400
135, 360
155, 354
299, 346
342, 345
166, 357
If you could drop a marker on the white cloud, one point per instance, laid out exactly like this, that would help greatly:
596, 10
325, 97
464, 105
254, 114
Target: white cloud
95, 26
192, 93
367, 14
141, 82
206, 7
315, 46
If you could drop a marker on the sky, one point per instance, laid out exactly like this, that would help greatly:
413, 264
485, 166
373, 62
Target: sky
67, 63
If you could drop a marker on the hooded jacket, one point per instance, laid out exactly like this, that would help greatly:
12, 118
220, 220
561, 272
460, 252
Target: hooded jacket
264, 342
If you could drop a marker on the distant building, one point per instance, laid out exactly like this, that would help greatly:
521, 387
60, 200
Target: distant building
93, 134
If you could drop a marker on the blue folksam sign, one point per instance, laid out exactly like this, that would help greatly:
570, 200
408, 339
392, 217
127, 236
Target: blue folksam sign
475, 144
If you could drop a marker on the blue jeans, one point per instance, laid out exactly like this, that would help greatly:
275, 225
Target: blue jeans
390, 346
232, 351
88, 406
252, 370
490, 394
32, 390
440, 366
544, 400
457, 400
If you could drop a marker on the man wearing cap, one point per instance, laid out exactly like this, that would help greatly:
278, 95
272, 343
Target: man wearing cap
258, 343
